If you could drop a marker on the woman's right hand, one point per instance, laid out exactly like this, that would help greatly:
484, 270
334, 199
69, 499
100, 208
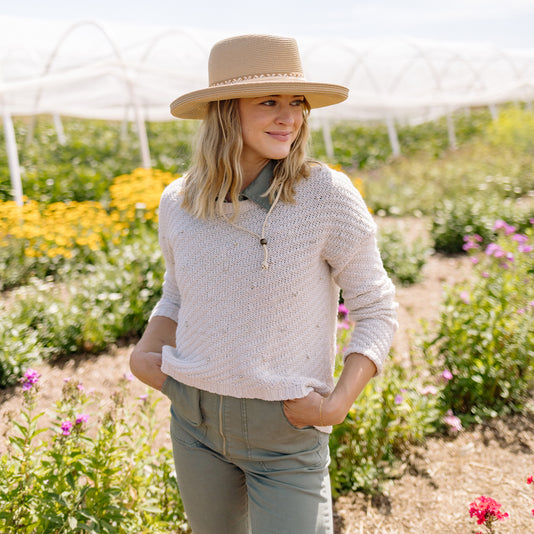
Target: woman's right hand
146, 366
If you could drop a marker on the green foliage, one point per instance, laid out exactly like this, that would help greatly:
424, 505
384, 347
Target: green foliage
391, 413
94, 470
485, 336
402, 260
93, 154
367, 146
85, 313
514, 127
458, 217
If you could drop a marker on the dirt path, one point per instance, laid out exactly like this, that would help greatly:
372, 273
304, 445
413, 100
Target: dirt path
441, 478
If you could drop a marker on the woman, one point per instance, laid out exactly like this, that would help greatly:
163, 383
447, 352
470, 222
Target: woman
257, 242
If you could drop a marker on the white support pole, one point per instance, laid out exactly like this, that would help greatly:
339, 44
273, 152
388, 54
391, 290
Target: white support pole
393, 137
453, 144
12, 157
327, 137
143, 138
60, 132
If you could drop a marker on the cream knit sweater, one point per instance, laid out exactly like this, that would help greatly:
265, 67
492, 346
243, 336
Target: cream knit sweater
271, 334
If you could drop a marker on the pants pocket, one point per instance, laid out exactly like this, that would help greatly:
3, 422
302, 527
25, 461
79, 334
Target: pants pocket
185, 400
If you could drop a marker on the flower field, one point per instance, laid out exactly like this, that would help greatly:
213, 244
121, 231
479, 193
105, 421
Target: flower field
80, 269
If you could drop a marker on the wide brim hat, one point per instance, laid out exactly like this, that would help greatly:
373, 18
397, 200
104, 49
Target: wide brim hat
249, 66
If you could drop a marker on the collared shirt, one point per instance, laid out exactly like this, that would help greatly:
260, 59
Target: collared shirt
259, 186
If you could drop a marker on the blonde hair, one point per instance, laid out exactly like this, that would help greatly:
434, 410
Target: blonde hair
215, 173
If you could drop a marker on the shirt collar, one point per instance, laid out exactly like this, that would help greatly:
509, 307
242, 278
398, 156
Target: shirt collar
259, 186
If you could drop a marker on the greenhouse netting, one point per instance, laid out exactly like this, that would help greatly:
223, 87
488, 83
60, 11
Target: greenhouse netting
92, 69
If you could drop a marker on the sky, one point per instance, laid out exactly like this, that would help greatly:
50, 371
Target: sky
503, 23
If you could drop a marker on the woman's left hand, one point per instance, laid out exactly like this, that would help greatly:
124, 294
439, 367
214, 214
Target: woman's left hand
307, 411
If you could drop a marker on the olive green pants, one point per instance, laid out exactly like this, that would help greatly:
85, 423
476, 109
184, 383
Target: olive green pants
243, 468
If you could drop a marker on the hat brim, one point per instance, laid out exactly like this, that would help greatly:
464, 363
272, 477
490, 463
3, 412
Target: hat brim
194, 105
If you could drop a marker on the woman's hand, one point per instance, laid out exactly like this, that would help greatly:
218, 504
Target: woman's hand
316, 410
146, 366
312, 410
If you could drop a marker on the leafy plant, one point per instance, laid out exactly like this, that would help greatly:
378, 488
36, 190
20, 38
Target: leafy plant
102, 476
392, 412
485, 336
402, 260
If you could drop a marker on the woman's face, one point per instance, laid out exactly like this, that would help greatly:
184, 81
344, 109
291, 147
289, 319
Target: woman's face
270, 124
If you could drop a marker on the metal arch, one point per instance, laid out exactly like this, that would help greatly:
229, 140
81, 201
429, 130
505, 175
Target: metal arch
143, 140
155, 41
420, 55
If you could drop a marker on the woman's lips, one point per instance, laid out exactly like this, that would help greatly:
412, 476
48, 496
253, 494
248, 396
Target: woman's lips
280, 136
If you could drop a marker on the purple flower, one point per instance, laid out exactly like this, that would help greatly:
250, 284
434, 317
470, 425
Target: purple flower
81, 419
143, 397
31, 377
524, 248
66, 428
128, 376
398, 399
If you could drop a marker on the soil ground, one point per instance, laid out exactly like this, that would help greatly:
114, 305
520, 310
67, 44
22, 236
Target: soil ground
441, 477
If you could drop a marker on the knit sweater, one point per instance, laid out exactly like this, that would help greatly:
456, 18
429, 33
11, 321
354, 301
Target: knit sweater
271, 334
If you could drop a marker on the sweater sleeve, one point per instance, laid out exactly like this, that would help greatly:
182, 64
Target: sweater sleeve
352, 253
169, 303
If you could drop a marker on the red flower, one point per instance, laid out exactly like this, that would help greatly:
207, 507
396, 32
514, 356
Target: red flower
486, 509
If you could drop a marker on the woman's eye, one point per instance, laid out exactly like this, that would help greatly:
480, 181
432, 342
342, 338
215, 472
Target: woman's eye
298, 102
268, 103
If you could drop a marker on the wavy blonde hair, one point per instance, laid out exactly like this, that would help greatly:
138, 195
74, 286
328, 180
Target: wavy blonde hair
215, 173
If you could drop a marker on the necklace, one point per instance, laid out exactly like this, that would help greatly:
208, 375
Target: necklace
263, 240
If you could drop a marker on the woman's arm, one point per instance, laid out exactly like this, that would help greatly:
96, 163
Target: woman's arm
317, 410
145, 359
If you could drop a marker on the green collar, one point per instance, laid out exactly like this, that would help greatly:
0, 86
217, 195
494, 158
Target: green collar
259, 186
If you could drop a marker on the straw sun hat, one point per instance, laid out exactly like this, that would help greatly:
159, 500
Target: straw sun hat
251, 66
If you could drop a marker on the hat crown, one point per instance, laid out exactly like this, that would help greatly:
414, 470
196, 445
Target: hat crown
253, 56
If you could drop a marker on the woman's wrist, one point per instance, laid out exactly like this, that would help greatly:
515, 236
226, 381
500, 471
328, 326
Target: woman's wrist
333, 411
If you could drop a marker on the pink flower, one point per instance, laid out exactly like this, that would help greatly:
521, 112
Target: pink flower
428, 390
81, 419
447, 375
66, 428
454, 422
465, 298
398, 399
471, 241
520, 238
486, 510
494, 250
31, 377
343, 311
524, 248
